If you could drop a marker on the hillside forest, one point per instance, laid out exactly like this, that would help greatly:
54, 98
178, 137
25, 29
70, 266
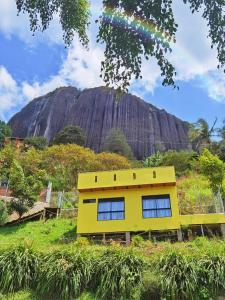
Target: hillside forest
26, 168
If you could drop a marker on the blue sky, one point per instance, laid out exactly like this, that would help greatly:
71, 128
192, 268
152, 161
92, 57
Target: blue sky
31, 66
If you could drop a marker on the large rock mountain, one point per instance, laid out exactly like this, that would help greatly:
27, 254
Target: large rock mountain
97, 111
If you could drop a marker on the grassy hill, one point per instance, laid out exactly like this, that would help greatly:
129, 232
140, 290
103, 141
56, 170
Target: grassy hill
39, 233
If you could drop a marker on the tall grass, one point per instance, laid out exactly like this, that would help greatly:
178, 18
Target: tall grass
64, 274
119, 273
196, 271
18, 268
178, 276
191, 276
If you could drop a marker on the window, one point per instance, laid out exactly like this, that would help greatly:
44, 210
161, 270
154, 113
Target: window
134, 175
114, 177
154, 174
111, 209
85, 201
156, 206
96, 178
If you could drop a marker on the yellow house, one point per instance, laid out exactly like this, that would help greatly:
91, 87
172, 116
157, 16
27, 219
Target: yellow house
133, 200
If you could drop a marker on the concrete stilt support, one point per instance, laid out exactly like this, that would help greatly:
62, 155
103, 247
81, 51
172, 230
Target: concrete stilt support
179, 235
202, 230
103, 239
149, 235
127, 235
222, 227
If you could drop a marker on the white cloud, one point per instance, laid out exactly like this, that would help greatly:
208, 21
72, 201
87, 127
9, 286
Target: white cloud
81, 69
9, 93
6, 80
13, 24
192, 57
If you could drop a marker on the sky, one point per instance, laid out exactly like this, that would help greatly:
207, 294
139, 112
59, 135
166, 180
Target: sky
31, 66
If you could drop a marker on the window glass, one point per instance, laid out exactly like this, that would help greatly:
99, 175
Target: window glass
111, 209
156, 206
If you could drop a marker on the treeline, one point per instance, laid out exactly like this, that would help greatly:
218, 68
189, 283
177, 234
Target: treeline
28, 167
27, 171
193, 272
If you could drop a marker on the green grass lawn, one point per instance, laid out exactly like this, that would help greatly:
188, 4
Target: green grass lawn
27, 295
39, 233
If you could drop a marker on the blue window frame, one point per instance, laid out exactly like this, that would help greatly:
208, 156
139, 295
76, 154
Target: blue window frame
111, 209
156, 206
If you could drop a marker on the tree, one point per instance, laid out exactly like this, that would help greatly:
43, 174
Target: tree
7, 155
200, 134
23, 190
131, 30
70, 135
181, 160
38, 142
64, 162
214, 169
155, 160
222, 131
3, 213
5, 131
112, 161
116, 142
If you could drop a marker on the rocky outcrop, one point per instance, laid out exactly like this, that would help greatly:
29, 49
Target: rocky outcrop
97, 111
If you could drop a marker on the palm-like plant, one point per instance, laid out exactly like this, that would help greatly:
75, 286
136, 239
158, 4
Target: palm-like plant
200, 133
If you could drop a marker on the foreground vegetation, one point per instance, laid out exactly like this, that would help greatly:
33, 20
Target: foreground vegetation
43, 260
194, 270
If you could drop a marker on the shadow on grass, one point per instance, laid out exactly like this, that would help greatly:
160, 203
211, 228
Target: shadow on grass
11, 229
69, 236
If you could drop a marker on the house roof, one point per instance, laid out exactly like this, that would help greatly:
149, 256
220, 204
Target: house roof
129, 178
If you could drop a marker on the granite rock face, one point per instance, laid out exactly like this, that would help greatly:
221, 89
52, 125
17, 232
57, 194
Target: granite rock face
97, 111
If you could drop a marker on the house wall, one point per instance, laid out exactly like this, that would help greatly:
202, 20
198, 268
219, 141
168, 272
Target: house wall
87, 213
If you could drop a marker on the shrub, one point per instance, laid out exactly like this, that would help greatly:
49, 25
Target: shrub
181, 160
82, 241
18, 269
137, 240
195, 195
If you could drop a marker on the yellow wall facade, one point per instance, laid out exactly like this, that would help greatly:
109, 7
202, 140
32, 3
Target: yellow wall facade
132, 190
88, 214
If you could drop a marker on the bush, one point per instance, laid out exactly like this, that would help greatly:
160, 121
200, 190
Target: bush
82, 241
137, 240
195, 195
181, 160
